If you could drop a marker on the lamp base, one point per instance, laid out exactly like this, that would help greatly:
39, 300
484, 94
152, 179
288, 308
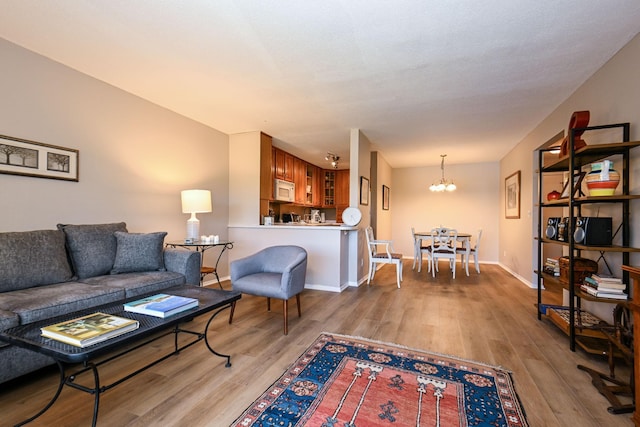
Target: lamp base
193, 228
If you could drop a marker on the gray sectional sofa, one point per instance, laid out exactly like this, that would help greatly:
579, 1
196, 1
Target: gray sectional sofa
47, 273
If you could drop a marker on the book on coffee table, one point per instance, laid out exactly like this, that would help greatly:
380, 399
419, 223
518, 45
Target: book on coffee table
161, 305
90, 329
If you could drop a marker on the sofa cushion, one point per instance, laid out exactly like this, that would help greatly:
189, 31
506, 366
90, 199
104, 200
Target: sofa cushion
46, 302
138, 252
92, 247
33, 258
8, 320
135, 284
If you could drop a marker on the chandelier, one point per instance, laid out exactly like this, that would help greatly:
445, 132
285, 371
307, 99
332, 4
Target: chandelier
443, 184
330, 157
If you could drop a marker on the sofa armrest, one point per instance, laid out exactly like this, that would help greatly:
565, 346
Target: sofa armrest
186, 263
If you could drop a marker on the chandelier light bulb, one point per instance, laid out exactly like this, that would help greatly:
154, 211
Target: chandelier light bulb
443, 184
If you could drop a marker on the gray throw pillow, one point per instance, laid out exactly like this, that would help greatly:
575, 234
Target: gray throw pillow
92, 247
139, 252
32, 258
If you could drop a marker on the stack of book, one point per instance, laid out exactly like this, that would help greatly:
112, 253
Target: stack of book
88, 330
552, 266
161, 305
604, 287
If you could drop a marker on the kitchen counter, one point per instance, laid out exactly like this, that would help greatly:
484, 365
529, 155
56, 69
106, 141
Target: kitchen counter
334, 225
327, 246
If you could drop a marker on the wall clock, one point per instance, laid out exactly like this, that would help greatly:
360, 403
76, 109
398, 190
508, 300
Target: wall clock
351, 216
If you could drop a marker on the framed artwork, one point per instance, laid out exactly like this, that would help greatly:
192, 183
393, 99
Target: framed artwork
577, 182
385, 198
31, 158
512, 196
364, 191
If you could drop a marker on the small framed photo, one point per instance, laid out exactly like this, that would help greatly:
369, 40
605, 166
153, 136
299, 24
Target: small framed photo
385, 198
577, 182
364, 191
512, 196
30, 158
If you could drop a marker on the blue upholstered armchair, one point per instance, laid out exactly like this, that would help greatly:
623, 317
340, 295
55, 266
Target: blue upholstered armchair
274, 272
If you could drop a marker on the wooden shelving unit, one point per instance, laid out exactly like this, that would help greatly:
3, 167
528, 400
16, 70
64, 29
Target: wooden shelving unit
573, 163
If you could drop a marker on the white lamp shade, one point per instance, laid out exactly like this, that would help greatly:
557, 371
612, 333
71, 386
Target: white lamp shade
196, 201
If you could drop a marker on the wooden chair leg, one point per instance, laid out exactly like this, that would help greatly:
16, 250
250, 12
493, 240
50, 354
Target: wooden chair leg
298, 304
233, 309
285, 307
268, 304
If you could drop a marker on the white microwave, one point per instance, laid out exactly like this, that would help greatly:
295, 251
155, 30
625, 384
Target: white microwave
284, 191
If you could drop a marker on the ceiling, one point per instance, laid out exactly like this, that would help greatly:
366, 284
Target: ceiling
419, 78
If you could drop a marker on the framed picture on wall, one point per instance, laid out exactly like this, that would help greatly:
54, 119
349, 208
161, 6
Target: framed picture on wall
364, 191
512, 196
30, 158
385, 198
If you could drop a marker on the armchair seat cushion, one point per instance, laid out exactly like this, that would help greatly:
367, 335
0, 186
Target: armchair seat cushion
261, 284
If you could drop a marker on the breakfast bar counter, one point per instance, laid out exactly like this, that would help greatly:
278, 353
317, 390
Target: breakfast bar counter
327, 245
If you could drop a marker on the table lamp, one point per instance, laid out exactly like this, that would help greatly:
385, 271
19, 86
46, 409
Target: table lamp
193, 202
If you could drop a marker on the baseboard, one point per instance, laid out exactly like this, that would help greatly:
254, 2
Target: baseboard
517, 276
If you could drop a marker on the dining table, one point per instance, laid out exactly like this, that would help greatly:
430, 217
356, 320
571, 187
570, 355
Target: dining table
464, 238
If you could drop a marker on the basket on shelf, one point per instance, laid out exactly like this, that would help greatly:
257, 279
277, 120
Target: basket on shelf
582, 267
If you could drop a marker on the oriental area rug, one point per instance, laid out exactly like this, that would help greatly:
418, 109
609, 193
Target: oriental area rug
343, 381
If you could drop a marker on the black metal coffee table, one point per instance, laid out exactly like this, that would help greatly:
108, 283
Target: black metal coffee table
28, 336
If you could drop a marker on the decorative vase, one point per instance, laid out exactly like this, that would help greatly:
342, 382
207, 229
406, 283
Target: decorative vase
603, 179
554, 195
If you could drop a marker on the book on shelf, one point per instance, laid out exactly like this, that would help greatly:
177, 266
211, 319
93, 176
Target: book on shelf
590, 281
90, 329
602, 294
161, 305
552, 266
602, 278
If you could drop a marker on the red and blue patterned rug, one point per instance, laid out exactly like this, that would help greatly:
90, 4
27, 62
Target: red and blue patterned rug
347, 381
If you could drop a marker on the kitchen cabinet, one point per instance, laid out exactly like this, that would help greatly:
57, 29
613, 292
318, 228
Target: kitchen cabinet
266, 174
311, 185
342, 192
329, 189
300, 180
574, 163
283, 162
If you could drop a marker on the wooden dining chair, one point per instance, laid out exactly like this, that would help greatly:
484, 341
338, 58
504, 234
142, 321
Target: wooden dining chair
443, 245
386, 256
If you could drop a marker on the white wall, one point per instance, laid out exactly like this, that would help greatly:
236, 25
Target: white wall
244, 179
612, 95
474, 205
381, 175
135, 157
360, 165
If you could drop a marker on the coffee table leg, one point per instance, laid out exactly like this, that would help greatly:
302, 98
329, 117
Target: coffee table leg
52, 401
96, 391
206, 339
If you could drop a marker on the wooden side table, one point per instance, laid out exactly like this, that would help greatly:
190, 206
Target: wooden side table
202, 247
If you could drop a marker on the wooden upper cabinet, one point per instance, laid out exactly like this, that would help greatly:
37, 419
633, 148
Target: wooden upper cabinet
300, 179
283, 162
288, 167
342, 187
328, 189
266, 167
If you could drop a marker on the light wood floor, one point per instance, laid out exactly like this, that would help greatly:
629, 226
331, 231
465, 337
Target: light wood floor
489, 318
